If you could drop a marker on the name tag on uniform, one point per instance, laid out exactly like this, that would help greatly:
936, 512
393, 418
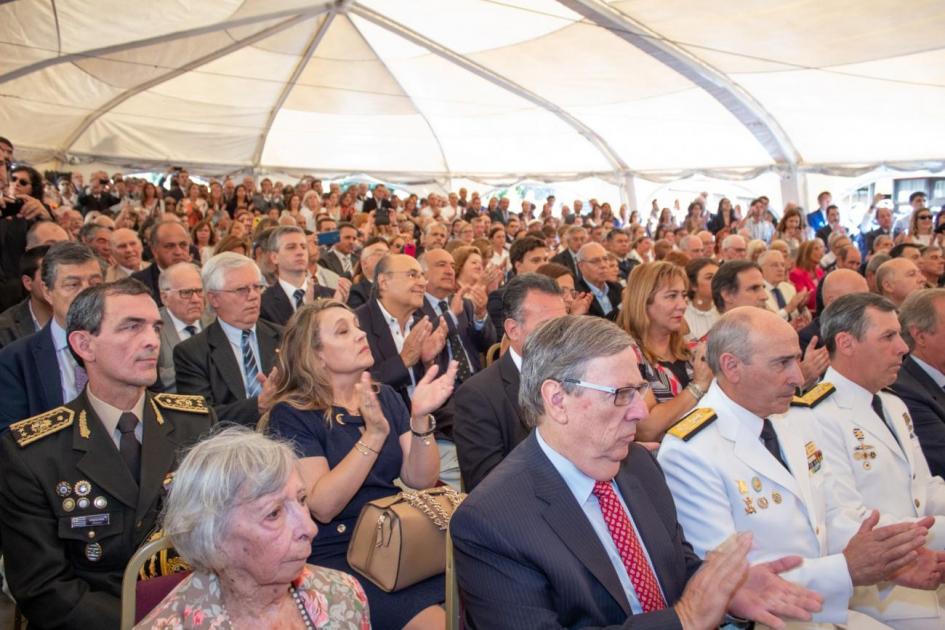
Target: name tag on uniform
90, 520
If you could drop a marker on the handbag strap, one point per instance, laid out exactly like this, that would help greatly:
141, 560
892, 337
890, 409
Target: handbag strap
423, 501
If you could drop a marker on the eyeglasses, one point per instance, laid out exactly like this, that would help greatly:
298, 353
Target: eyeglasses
244, 291
21, 182
623, 396
412, 274
924, 217
188, 293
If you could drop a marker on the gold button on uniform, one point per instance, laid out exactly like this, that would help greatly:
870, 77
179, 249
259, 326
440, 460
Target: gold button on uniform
817, 530
342, 528
917, 503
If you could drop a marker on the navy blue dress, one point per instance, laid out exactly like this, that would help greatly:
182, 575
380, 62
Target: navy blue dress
314, 437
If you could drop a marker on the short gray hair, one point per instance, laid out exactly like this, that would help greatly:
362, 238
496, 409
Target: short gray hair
213, 274
918, 311
560, 349
233, 467
164, 282
847, 314
66, 253
731, 334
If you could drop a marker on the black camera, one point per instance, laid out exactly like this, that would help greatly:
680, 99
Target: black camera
12, 207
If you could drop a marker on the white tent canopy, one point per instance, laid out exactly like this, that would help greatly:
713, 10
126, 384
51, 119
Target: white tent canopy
487, 90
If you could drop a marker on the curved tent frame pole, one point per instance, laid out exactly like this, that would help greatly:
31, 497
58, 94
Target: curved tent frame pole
196, 63
612, 157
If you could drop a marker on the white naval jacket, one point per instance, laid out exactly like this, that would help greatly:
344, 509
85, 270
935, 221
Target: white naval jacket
724, 481
870, 470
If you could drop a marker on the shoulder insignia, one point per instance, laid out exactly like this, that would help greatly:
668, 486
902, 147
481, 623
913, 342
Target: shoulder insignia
815, 396
36, 428
692, 423
182, 402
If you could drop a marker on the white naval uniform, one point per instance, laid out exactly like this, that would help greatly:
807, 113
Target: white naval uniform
870, 470
724, 481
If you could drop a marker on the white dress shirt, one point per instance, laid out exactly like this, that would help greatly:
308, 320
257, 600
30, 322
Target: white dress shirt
67, 363
399, 336
181, 327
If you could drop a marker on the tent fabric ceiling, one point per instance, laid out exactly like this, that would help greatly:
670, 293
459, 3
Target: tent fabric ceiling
482, 89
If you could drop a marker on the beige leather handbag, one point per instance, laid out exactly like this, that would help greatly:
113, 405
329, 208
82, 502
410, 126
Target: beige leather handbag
401, 540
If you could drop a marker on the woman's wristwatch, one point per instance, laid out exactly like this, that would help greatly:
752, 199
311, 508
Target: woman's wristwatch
696, 391
425, 436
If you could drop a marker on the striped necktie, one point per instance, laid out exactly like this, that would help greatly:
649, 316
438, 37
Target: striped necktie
250, 368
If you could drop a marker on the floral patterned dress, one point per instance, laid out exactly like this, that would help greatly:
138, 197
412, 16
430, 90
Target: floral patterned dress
333, 600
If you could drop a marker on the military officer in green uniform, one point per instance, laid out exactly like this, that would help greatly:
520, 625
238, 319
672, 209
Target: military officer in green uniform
82, 485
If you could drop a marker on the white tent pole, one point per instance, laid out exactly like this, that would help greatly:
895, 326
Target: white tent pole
612, 157
124, 96
162, 39
299, 67
732, 96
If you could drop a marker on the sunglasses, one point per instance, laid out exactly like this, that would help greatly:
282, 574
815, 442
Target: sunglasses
924, 217
21, 182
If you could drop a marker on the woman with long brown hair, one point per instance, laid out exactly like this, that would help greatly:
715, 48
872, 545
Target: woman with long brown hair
653, 315
355, 437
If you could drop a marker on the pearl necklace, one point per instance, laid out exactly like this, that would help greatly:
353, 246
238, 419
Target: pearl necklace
304, 613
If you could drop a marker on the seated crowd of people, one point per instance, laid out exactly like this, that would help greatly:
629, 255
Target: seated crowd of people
729, 419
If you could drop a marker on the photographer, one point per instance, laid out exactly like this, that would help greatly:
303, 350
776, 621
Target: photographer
98, 196
20, 207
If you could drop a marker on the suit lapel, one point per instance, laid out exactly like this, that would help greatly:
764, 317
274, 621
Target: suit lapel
511, 381
284, 308
795, 452
653, 535
567, 519
157, 455
225, 361
44, 353
169, 331
267, 337
925, 382
750, 450
101, 462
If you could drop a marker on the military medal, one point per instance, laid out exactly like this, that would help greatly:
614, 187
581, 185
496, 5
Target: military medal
815, 458
68, 504
864, 452
93, 551
905, 416
83, 488
763, 503
742, 486
776, 497
749, 508
756, 484
100, 502
83, 503
63, 489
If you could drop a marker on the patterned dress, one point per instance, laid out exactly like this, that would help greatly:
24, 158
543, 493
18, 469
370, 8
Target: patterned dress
332, 599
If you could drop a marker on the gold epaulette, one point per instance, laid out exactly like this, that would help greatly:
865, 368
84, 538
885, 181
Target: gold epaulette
815, 396
692, 423
182, 402
36, 428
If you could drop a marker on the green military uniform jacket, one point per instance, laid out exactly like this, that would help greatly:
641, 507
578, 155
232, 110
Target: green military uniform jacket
72, 515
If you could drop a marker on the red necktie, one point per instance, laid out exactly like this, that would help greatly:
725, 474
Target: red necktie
631, 552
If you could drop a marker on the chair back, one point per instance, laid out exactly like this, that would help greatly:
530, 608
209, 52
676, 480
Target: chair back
493, 353
138, 598
454, 610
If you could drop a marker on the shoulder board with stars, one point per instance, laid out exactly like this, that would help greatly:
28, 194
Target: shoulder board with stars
182, 402
692, 423
815, 396
36, 428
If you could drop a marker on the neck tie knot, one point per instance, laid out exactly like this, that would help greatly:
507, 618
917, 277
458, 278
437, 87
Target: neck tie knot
127, 422
299, 295
191, 330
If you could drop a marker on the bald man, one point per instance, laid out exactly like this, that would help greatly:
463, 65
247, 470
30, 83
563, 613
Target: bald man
835, 284
896, 279
127, 251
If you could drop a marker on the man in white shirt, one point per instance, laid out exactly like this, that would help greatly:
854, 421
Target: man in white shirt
184, 315
758, 228
288, 255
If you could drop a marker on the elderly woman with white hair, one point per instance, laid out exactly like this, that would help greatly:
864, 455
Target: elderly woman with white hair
237, 513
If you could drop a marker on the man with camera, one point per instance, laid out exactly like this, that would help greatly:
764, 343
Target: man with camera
98, 196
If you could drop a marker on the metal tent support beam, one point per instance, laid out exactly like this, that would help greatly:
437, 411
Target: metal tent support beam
732, 96
196, 63
503, 82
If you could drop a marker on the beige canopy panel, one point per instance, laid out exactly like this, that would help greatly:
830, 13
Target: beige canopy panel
487, 90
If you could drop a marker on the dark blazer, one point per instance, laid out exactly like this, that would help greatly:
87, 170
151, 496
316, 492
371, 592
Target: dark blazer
15, 323
167, 379
488, 422
716, 222
474, 341
330, 260
496, 313
565, 258
56, 581
360, 293
527, 557
926, 403
29, 377
388, 367
276, 307
371, 204
149, 276
626, 266
614, 293
808, 332
206, 366
870, 237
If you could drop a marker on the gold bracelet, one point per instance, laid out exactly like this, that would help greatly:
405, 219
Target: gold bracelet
364, 449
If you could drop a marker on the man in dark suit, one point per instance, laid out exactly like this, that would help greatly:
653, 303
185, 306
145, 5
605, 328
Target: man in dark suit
921, 381
288, 255
592, 261
30, 315
38, 372
403, 341
884, 217
82, 485
375, 249
488, 421
170, 244
377, 200
530, 554
500, 214
526, 254
574, 239
229, 361
341, 258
